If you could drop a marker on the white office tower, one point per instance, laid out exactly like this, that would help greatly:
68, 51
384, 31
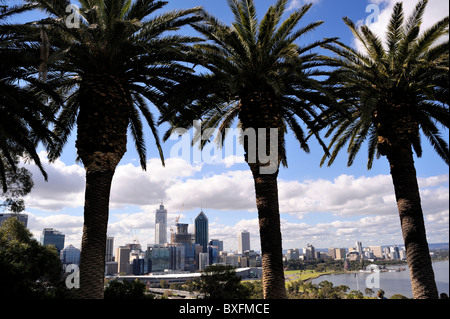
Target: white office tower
161, 226
243, 241
359, 249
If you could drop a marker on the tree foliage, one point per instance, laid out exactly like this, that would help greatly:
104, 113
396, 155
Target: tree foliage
28, 269
221, 282
125, 290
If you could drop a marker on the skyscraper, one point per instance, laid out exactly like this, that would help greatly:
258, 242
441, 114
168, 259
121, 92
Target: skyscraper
51, 236
70, 255
109, 248
201, 231
243, 241
309, 252
359, 249
21, 217
161, 226
123, 259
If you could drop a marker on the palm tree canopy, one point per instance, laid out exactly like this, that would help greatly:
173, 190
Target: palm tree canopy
252, 57
120, 39
402, 84
24, 115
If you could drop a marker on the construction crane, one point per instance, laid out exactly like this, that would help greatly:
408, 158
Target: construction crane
134, 236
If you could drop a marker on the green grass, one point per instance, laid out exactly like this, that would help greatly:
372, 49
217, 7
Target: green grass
293, 275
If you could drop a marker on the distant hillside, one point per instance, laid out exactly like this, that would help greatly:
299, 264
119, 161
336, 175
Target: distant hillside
438, 246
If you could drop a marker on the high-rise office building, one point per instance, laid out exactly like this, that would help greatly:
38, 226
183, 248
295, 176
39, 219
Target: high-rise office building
70, 255
339, 253
309, 252
161, 226
359, 249
377, 251
201, 231
203, 261
51, 236
218, 243
182, 236
109, 249
292, 254
123, 260
243, 241
21, 217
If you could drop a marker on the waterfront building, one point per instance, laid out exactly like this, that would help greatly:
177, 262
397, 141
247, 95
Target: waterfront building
292, 254
202, 231
359, 248
394, 253
353, 255
402, 253
21, 217
386, 253
243, 241
332, 252
51, 236
322, 255
309, 252
377, 251
339, 253
161, 225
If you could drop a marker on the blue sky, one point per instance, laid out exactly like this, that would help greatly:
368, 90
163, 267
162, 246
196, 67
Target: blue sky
328, 206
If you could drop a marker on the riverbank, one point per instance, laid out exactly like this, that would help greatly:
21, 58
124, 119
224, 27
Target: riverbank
307, 275
391, 282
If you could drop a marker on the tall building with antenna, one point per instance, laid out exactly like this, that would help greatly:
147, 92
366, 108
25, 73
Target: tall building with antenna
161, 225
202, 231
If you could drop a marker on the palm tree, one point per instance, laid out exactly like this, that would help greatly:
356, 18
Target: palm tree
108, 66
395, 92
259, 75
24, 117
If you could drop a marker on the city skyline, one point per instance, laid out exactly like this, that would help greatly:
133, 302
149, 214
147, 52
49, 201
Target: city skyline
243, 240
327, 206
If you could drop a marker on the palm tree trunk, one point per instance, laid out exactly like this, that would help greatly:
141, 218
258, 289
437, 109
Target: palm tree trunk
101, 143
409, 206
96, 212
266, 190
261, 110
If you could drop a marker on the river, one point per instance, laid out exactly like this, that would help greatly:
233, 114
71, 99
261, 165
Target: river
391, 282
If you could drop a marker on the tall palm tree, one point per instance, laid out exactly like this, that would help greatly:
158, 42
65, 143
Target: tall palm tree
24, 117
108, 60
259, 75
395, 92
